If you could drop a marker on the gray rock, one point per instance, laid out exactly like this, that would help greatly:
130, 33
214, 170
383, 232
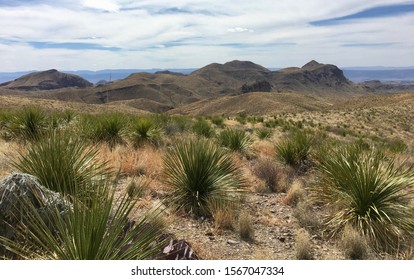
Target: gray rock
20, 194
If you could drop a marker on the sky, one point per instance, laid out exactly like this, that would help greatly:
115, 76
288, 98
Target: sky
126, 34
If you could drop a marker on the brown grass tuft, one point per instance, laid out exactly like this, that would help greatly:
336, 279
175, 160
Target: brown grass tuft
246, 229
353, 244
295, 193
303, 247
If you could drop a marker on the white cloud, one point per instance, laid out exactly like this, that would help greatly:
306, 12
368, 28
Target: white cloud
183, 33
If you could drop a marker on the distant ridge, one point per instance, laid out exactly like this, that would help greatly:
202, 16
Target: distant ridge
47, 80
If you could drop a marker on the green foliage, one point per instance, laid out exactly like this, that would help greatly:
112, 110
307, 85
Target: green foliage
203, 128
109, 129
235, 139
264, 133
218, 121
30, 124
295, 149
144, 131
100, 231
201, 174
62, 162
369, 192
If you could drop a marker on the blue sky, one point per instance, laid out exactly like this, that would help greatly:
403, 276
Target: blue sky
102, 34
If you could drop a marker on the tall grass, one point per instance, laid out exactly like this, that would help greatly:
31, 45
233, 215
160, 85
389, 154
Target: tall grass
369, 192
201, 174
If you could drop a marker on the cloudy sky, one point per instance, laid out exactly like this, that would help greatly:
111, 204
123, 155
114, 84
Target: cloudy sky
103, 34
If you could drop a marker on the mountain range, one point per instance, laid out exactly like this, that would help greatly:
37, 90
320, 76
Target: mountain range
232, 87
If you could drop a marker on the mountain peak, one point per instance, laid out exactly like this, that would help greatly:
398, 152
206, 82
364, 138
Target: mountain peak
312, 65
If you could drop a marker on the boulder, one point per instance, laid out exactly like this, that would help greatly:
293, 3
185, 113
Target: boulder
19, 193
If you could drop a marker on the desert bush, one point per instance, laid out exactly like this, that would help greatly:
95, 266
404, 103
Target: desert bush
235, 139
218, 121
264, 133
295, 149
144, 131
246, 229
61, 162
203, 128
109, 129
267, 171
29, 124
370, 192
201, 173
303, 246
100, 231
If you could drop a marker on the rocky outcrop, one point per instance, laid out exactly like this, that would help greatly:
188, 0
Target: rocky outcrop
20, 192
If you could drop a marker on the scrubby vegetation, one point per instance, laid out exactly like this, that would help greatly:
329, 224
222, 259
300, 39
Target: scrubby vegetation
226, 181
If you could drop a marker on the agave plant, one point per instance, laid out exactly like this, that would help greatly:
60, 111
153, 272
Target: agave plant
100, 230
369, 192
62, 162
201, 174
235, 139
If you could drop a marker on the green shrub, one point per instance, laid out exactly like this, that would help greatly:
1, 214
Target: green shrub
264, 133
369, 192
100, 231
218, 121
201, 174
30, 124
203, 128
109, 129
145, 131
235, 139
295, 149
62, 162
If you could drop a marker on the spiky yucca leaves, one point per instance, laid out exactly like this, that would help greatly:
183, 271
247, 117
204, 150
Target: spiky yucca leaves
29, 124
203, 128
370, 192
109, 129
62, 162
235, 139
295, 149
264, 133
145, 131
99, 231
201, 174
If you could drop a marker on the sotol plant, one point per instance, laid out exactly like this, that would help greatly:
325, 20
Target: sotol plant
235, 139
295, 149
369, 192
201, 174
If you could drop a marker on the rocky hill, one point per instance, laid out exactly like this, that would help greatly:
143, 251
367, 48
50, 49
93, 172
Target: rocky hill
165, 91
47, 80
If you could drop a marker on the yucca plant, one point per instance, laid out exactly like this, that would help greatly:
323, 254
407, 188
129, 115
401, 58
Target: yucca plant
109, 129
235, 139
369, 192
295, 149
203, 128
100, 230
264, 133
29, 124
144, 131
62, 162
201, 174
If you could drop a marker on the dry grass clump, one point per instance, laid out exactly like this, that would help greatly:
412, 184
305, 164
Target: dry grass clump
353, 244
137, 186
223, 218
246, 229
295, 193
303, 246
267, 171
306, 216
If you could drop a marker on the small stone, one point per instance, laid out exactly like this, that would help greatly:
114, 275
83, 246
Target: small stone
232, 242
